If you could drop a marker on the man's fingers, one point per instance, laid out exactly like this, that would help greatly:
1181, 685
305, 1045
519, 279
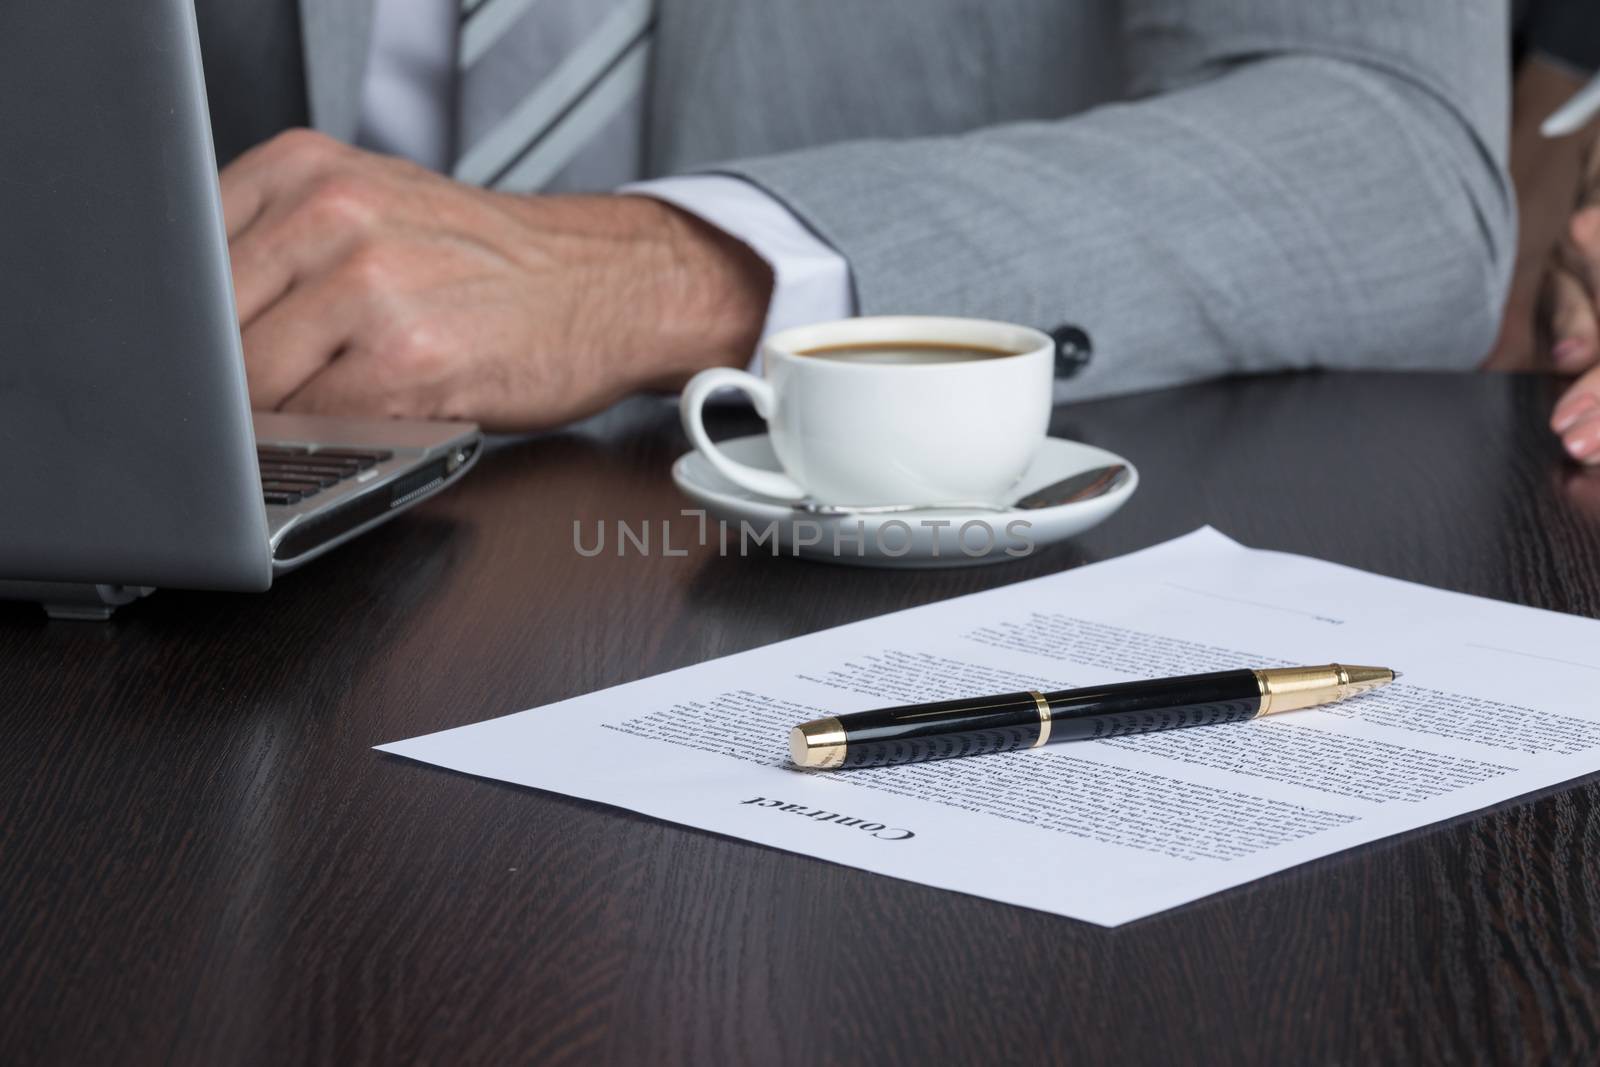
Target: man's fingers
1567, 315
269, 171
295, 338
292, 209
303, 242
356, 383
395, 367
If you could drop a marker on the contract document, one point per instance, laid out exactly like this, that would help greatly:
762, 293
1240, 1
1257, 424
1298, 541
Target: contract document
1496, 700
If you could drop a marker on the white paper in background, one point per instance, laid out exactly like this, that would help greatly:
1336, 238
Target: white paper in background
1497, 700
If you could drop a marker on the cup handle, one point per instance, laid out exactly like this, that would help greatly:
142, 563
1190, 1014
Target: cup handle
767, 483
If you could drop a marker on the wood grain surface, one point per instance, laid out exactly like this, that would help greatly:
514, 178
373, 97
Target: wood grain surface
202, 861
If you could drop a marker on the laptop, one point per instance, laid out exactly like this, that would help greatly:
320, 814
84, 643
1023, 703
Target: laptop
129, 457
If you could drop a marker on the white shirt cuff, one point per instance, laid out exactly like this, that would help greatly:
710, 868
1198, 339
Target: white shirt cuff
811, 281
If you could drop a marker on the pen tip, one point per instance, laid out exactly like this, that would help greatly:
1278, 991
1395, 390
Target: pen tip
1367, 676
1397, 675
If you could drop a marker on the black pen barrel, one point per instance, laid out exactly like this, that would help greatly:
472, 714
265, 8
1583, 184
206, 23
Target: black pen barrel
978, 725
970, 726
1162, 704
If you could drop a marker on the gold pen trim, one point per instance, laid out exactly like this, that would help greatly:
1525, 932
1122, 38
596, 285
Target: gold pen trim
1297, 688
818, 745
1044, 717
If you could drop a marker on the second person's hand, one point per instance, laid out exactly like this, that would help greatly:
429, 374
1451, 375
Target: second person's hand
1569, 320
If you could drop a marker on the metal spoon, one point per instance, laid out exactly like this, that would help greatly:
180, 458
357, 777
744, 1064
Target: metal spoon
1082, 486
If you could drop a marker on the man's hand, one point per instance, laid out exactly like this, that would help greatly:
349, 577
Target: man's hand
368, 286
1569, 320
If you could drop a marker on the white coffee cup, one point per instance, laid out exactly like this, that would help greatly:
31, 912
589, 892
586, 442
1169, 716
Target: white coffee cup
909, 423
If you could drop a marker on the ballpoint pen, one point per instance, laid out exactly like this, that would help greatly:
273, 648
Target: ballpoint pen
1575, 114
972, 726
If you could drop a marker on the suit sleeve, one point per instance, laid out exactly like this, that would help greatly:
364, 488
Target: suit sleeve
1290, 184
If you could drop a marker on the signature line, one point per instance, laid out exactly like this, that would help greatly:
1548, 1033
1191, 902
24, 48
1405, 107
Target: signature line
1530, 655
1252, 603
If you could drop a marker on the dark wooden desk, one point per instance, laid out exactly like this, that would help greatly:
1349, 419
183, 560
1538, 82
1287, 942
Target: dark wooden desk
203, 862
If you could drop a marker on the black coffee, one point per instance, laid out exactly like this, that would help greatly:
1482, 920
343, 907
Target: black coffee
906, 352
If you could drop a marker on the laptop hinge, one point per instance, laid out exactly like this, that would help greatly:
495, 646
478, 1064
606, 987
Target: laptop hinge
85, 603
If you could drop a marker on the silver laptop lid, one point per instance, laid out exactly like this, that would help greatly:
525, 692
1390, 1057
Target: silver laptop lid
126, 453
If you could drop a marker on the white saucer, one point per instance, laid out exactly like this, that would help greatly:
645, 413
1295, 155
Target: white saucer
902, 539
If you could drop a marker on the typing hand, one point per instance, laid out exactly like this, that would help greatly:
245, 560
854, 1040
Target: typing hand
368, 286
1570, 319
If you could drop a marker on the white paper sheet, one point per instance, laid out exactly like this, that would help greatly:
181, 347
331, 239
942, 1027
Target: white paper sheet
1497, 700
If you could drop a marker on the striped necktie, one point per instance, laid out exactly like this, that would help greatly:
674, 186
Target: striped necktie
551, 93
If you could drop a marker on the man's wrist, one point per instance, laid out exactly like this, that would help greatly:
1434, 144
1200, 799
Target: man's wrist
811, 281
653, 294
711, 299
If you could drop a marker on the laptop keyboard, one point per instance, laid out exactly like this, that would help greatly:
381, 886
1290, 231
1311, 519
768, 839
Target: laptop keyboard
292, 473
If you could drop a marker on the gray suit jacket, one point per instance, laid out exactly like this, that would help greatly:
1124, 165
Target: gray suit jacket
1205, 186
